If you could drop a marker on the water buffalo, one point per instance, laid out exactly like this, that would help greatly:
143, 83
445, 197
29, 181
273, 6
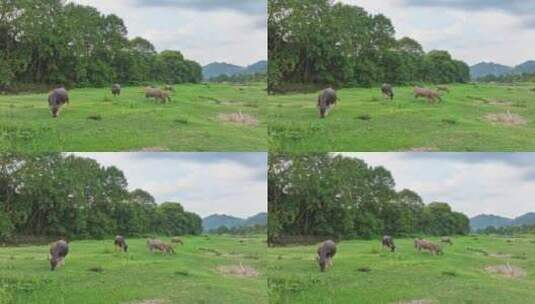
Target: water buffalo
120, 243
155, 244
326, 252
116, 89
56, 99
326, 100
427, 245
388, 91
158, 94
388, 242
58, 252
446, 239
431, 95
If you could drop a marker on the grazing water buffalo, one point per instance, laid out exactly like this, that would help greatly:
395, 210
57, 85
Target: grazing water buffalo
388, 241
388, 91
158, 94
446, 239
56, 99
443, 89
326, 100
431, 95
160, 246
116, 89
427, 245
120, 243
326, 252
58, 252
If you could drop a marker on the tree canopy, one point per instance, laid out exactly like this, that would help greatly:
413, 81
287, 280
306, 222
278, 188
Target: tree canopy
51, 42
323, 42
66, 195
341, 197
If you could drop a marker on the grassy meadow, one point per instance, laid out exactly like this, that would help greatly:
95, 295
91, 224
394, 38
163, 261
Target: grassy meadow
96, 121
363, 273
472, 117
95, 273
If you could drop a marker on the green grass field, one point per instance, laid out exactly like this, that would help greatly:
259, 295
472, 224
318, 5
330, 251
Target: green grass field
364, 121
96, 121
191, 276
458, 276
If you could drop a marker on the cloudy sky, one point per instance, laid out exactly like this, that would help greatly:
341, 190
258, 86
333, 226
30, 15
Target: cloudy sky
232, 31
501, 31
205, 183
473, 183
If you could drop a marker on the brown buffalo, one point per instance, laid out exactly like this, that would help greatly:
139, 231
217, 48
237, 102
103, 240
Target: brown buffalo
157, 94
443, 88
177, 240
56, 99
431, 95
326, 252
58, 252
155, 244
427, 245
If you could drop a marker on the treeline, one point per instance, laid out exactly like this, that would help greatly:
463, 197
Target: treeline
65, 195
320, 42
344, 198
509, 230
508, 78
240, 230
53, 43
239, 78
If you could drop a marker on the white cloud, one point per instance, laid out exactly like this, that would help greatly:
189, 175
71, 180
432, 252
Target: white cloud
229, 183
230, 35
499, 183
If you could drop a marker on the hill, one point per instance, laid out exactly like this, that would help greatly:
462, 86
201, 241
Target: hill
221, 68
215, 221
483, 221
490, 68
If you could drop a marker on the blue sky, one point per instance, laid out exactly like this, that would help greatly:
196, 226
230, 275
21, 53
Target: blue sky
473, 183
205, 183
232, 31
501, 31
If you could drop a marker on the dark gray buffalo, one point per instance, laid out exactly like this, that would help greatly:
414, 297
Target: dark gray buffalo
326, 252
326, 100
388, 91
116, 89
58, 252
388, 242
120, 243
56, 99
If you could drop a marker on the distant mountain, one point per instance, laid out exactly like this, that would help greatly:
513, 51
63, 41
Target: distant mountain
221, 68
215, 221
483, 221
490, 68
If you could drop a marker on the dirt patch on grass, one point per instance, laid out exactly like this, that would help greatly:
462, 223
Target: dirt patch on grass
507, 271
420, 301
507, 118
239, 118
423, 149
154, 149
238, 270
150, 301
500, 255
